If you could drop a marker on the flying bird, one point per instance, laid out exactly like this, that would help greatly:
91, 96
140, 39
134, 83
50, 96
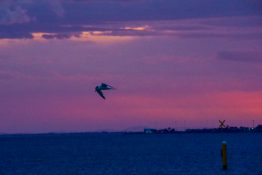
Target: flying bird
103, 86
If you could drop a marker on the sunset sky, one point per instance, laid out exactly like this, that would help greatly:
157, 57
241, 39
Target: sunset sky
174, 63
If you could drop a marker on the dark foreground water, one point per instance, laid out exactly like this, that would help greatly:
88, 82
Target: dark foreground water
129, 154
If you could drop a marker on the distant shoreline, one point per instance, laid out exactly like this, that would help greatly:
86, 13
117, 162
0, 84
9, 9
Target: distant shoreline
148, 131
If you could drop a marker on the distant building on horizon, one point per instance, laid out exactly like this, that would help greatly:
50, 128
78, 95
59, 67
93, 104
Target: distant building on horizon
227, 129
149, 130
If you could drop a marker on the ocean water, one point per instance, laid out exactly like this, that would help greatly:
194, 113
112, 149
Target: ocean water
129, 154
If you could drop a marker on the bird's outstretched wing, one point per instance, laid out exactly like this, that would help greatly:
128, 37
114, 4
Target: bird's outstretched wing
100, 93
105, 86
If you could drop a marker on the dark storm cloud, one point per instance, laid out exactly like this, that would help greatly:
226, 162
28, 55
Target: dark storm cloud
112, 10
57, 36
75, 11
63, 18
240, 56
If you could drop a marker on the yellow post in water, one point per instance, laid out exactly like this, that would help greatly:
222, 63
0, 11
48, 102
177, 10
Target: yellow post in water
224, 155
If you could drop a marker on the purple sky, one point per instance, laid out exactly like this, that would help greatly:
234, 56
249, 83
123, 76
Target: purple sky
175, 63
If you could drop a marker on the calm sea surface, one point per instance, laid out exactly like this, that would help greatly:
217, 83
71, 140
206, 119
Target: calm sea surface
129, 154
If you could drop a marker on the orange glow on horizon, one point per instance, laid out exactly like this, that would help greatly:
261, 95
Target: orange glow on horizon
140, 28
39, 35
101, 37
